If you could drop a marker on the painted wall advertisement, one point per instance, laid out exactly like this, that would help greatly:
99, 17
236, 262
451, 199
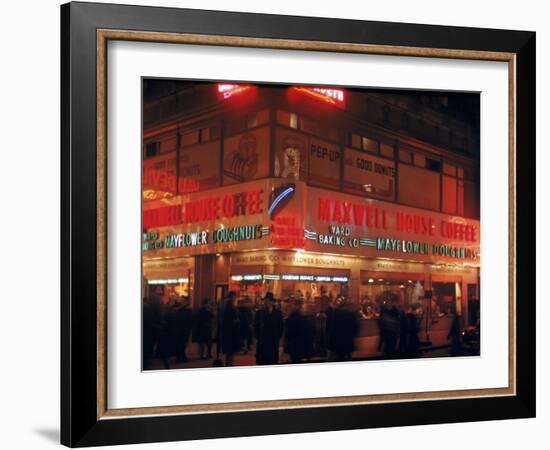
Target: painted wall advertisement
159, 177
291, 155
246, 156
324, 163
198, 167
299, 157
369, 174
198, 170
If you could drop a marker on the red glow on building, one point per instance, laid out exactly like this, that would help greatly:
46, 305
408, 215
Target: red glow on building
161, 181
227, 90
332, 96
287, 232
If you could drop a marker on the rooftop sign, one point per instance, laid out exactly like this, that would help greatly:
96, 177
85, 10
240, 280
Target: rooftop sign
332, 96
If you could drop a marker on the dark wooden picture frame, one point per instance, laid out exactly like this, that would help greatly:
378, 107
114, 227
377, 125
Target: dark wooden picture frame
85, 30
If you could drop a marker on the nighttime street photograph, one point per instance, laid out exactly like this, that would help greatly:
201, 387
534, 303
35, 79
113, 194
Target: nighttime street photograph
298, 224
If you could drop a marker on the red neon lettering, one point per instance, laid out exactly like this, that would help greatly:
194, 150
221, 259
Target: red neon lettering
161, 217
254, 201
332, 96
347, 212
459, 231
359, 214
414, 223
228, 90
324, 210
228, 206
337, 212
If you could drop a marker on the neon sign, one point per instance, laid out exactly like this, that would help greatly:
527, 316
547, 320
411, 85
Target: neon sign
423, 248
226, 206
458, 231
205, 209
291, 277
152, 240
227, 90
158, 180
287, 232
235, 234
170, 281
339, 236
336, 211
280, 196
161, 217
329, 95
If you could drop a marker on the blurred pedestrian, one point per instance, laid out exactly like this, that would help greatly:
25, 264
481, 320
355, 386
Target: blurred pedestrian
413, 342
455, 336
320, 329
205, 322
183, 321
295, 339
402, 347
151, 324
344, 328
246, 317
268, 327
389, 329
167, 336
230, 329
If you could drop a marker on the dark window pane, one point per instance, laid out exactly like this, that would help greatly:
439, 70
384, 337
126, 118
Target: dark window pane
432, 164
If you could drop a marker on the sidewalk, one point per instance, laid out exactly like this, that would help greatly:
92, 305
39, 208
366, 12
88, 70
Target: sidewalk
367, 349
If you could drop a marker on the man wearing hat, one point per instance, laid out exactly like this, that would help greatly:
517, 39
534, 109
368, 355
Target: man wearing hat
268, 327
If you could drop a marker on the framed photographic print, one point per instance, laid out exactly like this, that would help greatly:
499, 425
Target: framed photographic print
276, 224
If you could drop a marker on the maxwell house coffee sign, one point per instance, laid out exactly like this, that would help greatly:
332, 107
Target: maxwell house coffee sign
365, 227
204, 209
230, 218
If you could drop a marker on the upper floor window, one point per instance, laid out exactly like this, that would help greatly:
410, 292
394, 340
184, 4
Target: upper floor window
152, 149
287, 119
387, 150
433, 165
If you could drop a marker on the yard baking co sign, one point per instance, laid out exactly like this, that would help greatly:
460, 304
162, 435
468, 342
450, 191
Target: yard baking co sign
226, 219
357, 226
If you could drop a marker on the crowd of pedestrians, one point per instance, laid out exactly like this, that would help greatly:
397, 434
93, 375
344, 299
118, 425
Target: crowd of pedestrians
229, 328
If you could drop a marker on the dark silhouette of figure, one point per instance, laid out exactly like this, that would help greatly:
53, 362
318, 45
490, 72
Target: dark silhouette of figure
246, 317
389, 329
402, 347
455, 336
320, 339
205, 322
151, 324
381, 327
167, 336
230, 329
296, 339
309, 331
183, 321
343, 330
413, 343
473, 310
268, 327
